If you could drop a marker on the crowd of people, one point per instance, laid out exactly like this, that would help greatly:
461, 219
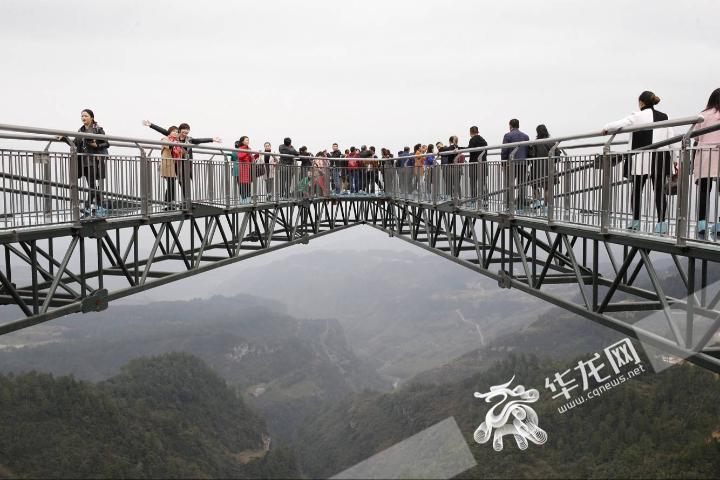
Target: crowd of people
364, 171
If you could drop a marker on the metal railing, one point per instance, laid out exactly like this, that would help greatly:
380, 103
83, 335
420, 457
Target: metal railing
668, 189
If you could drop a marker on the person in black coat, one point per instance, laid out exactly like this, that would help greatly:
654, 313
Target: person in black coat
287, 170
451, 175
92, 156
539, 168
476, 141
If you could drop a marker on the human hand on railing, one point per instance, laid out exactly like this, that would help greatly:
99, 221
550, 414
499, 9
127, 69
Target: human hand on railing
146, 123
217, 140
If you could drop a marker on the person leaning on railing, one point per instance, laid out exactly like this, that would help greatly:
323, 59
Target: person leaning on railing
92, 156
638, 166
185, 165
539, 169
706, 165
168, 165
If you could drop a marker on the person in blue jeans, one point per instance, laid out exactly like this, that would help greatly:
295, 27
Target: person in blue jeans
519, 164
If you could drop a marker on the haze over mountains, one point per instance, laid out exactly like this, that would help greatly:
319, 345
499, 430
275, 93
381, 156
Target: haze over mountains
355, 349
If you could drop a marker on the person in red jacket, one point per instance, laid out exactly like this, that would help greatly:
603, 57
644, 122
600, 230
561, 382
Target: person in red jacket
245, 161
353, 170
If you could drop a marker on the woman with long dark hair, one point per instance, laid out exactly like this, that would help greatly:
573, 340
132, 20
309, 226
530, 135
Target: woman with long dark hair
706, 165
91, 158
640, 166
539, 169
428, 163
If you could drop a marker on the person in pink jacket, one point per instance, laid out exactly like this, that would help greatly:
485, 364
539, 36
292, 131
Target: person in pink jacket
706, 164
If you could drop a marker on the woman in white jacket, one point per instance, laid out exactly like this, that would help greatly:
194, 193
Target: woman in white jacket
639, 166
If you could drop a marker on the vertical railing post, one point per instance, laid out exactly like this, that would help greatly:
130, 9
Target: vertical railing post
510, 200
606, 188
210, 169
186, 186
47, 180
550, 183
73, 180
683, 204
434, 183
144, 183
481, 201
254, 179
227, 178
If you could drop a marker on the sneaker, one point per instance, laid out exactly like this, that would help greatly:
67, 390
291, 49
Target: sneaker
661, 227
634, 225
701, 226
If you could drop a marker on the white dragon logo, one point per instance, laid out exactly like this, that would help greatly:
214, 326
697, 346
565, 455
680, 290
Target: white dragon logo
524, 423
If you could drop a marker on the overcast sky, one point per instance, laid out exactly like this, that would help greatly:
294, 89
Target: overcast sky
386, 73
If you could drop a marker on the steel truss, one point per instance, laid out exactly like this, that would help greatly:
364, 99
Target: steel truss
604, 269
81, 268
70, 269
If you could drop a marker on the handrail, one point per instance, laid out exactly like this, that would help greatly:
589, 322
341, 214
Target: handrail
66, 133
647, 126
679, 138
135, 145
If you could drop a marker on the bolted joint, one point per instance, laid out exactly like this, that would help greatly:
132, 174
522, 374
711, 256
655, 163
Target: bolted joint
97, 301
504, 280
504, 221
93, 229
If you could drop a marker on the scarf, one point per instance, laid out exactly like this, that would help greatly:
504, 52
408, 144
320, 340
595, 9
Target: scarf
176, 150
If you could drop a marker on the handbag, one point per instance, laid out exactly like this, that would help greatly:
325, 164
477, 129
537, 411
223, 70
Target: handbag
671, 187
235, 170
260, 169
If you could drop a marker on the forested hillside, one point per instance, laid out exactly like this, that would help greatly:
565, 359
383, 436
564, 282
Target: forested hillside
163, 417
655, 426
